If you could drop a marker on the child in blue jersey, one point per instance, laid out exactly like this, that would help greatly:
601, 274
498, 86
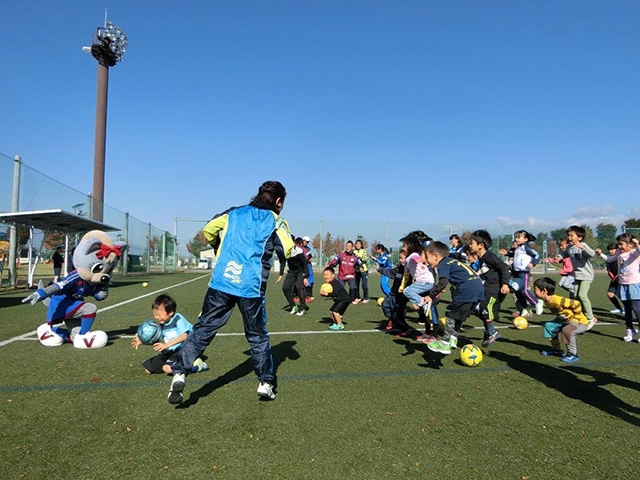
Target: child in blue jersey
175, 329
524, 259
383, 263
467, 292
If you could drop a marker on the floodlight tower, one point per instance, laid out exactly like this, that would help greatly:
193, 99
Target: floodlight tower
108, 47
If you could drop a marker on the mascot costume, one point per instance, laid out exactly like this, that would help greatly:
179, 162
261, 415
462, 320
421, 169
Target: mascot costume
94, 259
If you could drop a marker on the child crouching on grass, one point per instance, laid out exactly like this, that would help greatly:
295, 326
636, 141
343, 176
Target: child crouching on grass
175, 329
341, 298
569, 320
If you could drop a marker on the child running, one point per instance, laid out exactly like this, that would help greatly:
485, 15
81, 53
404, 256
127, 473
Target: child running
566, 272
569, 320
467, 293
524, 259
581, 255
341, 298
422, 275
612, 271
628, 258
495, 276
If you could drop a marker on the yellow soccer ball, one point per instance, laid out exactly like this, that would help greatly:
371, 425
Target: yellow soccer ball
326, 289
520, 323
145, 284
380, 300
470, 355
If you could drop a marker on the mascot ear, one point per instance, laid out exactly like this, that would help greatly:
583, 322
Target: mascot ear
121, 245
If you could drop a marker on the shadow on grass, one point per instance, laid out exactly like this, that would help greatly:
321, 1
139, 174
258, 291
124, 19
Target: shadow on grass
281, 352
565, 380
10, 301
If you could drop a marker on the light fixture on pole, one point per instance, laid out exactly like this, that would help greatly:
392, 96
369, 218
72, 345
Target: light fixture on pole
109, 44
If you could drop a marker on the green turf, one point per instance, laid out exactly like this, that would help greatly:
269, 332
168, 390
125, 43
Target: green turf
350, 404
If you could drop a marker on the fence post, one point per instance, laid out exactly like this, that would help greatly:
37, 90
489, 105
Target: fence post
13, 233
149, 248
125, 231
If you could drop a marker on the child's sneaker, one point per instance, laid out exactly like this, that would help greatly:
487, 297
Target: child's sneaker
440, 346
539, 307
552, 353
629, 336
265, 390
592, 322
366, 300
294, 310
199, 365
177, 387
615, 311
356, 301
336, 326
453, 341
569, 358
389, 325
302, 313
309, 299
490, 339
426, 308
427, 339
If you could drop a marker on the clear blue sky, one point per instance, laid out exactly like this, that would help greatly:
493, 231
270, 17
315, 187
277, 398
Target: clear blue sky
517, 112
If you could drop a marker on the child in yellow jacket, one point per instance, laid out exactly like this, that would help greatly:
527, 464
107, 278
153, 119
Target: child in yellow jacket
569, 320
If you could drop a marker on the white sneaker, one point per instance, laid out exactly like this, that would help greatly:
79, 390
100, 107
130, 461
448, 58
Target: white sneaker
539, 307
265, 390
177, 387
426, 308
592, 322
525, 313
629, 336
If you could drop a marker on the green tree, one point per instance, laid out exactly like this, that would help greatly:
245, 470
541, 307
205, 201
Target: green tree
606, 233
558, 233
632, 223
197, 243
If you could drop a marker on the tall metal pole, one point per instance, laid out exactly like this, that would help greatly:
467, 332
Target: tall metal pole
13, 233
100, 147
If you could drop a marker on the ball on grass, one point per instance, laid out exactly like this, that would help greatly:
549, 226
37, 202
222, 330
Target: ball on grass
470, 355
145, 284
520, 323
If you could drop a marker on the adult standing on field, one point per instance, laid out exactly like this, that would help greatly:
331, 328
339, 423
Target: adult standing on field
244, 240
58, 260
362, 274
347, 263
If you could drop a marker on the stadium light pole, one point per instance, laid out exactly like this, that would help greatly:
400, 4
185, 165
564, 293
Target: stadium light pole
108, 47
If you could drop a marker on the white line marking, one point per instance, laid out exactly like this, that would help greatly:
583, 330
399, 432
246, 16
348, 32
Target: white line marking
29, 334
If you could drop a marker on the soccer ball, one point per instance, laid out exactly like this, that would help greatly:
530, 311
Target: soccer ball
470, 355
150, 332
520, 323
326, 288
145, 284
380, 300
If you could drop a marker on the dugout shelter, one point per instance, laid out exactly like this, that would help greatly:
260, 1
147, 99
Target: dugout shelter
55, 220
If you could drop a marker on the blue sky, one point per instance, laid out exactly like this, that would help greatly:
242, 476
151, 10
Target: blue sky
482, 112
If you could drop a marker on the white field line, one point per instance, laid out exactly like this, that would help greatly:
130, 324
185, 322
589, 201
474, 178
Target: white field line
155, 292
316, 332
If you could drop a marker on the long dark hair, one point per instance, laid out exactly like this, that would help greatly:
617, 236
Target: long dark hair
268, 193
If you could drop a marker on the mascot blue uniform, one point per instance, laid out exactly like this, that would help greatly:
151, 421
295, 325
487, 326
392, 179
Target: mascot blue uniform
95, 257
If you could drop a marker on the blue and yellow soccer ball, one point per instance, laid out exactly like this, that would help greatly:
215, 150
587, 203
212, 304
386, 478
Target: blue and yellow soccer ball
470, 355
150, 332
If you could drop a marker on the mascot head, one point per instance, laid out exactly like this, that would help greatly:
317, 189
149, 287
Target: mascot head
96, 256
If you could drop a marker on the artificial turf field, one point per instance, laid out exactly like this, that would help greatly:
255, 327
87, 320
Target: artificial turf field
359, 403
